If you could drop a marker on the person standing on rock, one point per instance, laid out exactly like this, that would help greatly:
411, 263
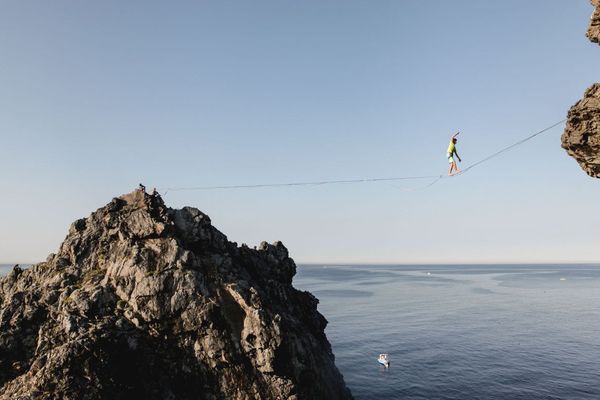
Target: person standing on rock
453, 169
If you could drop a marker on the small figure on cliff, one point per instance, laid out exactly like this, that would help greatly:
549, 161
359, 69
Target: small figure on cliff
142, 188
450, 154
154, 192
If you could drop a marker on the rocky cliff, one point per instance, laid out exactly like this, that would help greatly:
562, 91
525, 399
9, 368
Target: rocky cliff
593, 32
146, 302
582, 133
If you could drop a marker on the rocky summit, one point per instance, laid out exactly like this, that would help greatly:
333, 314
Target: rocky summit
581, 138
147, 302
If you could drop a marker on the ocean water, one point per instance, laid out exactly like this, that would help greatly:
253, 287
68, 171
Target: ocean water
5, 269
463, 332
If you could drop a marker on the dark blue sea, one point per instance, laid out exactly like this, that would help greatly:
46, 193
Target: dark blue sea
463, 332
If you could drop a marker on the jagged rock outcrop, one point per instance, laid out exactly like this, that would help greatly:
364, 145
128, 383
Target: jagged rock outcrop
593, 32
582, 133
147, 302
581, 138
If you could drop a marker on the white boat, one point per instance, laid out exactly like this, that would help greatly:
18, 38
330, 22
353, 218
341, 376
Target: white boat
384, 360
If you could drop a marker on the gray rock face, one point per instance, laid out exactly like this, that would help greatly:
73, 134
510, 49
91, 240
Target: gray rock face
581, 138
593, 32
146, 302
582, 133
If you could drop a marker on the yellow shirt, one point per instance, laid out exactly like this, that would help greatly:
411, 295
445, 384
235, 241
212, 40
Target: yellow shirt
451, 148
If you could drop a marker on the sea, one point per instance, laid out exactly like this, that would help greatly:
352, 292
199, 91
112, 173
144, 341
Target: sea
461, 332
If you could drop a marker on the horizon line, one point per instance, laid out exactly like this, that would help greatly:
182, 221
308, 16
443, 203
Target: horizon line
382, 263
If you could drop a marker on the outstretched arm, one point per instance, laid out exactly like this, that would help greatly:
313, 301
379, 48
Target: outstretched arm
455, 135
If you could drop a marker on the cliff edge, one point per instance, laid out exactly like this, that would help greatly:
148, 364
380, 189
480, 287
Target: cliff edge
593, 32
581, 138
146, 302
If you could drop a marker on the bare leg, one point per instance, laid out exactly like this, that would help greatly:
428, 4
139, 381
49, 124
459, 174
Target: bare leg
450, 169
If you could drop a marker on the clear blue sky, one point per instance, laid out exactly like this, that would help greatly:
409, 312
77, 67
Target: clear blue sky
98, 96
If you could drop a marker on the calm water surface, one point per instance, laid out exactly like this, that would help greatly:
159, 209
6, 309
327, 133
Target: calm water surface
5, 269
463, 332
